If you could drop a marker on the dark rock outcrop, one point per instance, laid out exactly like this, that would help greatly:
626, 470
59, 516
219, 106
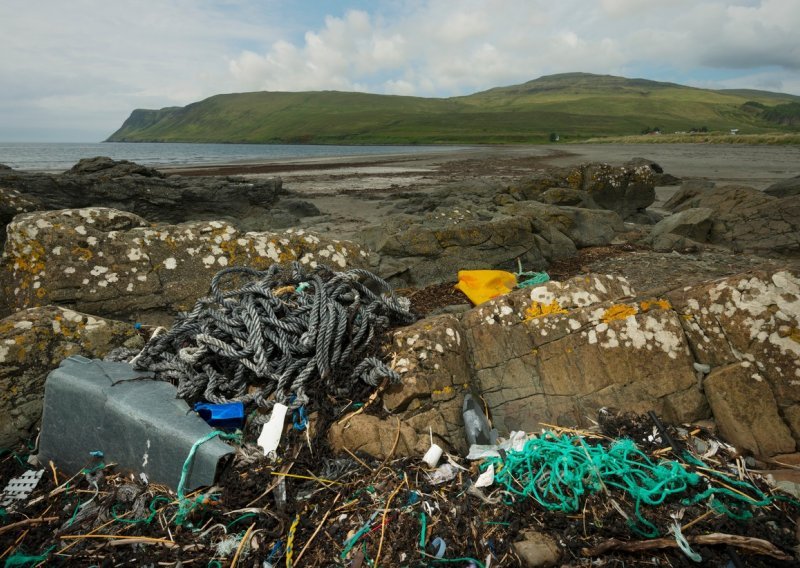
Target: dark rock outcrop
746, 219
627, 190
146, 192
784, 188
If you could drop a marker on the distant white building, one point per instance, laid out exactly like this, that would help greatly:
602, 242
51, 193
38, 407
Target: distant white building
734, 131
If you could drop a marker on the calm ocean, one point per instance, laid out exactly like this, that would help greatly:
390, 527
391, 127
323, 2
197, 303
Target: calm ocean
62, 156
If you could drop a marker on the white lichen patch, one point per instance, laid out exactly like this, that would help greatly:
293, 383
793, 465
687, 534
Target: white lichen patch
170, 263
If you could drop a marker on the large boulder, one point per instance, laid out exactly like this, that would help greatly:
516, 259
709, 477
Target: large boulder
627, 190
692, 225
746, 412
433, 249
689, 190
113, 263
749, 220
32, 343
112, 168
584, 227
13, 203
557, 353
784, 188
752, 318
418, 251
146, 192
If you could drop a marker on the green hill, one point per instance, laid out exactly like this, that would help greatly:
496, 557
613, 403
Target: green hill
576, 106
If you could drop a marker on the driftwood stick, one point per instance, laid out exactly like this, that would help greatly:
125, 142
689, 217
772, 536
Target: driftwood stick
756, 545
24, 522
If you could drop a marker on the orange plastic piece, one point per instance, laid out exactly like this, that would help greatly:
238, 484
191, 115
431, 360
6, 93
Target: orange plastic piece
483, 285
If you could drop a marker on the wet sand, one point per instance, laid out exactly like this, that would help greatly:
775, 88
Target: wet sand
352, 192
758, 166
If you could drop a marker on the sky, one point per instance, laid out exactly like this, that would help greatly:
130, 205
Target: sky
73, 71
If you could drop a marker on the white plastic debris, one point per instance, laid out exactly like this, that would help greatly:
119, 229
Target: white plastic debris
515, 442
433, 455
270, 437
486, 478
444, 472
20, 487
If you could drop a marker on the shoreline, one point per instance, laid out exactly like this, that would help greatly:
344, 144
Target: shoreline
758, 166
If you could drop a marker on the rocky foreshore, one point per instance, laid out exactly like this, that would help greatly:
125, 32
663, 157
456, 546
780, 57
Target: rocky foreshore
106, 245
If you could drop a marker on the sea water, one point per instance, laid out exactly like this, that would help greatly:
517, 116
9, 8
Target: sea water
57, 157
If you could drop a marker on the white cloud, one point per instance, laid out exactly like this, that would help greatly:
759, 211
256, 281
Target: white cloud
87, 64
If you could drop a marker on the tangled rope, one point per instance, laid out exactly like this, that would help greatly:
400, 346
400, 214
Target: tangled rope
558, 471
279, 331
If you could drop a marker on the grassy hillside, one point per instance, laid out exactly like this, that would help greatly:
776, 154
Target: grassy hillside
576, 106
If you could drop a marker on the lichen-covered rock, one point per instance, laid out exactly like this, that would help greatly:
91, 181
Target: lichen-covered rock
114, 263
12, 203
555, 354
32, 343
751, 318
628, 190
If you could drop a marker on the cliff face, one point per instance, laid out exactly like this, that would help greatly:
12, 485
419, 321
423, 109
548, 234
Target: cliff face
139, 119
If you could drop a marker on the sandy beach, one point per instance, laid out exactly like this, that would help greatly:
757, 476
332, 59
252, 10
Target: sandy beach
758, 166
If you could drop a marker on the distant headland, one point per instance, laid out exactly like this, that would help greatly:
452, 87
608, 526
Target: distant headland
565, 108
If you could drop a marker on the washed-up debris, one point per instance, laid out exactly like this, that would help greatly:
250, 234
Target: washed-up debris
279, 335
307, 507
134, 421
20, 487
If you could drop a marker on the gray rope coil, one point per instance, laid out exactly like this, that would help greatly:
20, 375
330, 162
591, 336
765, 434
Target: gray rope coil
278, 332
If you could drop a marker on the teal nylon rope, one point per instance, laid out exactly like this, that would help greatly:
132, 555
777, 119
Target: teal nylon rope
558, 471
186, 506
531, 279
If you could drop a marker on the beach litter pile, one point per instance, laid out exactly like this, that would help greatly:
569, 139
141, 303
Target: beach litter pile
573, 497
271, 360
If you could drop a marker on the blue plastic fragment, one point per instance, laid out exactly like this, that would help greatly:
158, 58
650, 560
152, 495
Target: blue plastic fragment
228, 415
440, 546
299, 419
96, 454
137, 326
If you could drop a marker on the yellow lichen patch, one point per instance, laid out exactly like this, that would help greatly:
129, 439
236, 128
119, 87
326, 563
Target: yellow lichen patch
660, 304
540, 309
83, 253
619, 312
30, 258
444, 391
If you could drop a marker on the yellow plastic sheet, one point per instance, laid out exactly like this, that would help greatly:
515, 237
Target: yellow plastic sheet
483, 285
